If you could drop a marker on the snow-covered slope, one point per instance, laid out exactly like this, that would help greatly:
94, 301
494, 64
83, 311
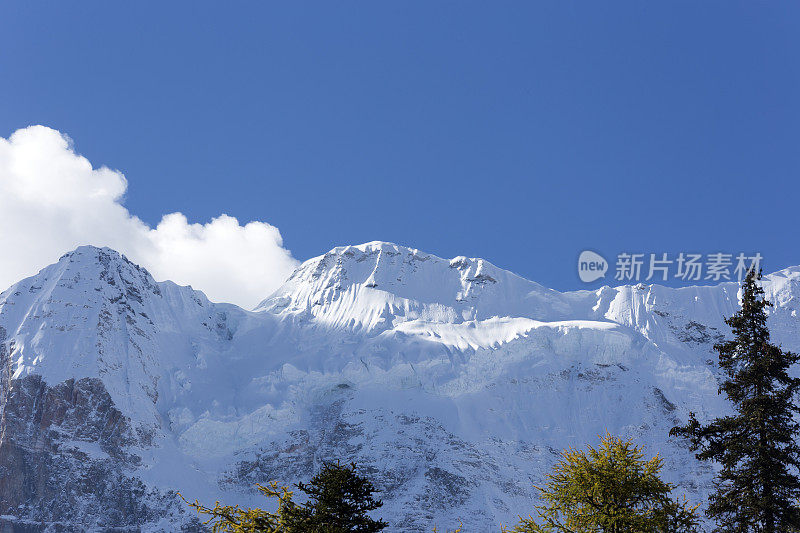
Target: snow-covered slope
453, 382
360, 287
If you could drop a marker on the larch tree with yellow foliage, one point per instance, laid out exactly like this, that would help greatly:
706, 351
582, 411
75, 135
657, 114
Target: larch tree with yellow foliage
609, 489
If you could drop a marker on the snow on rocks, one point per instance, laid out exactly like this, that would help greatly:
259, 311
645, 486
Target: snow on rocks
454, 381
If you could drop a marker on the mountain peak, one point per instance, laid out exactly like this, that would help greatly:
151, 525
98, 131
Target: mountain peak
89, 249
92, 298
103, 270
96, 314
375, 283
373, 246
86, 255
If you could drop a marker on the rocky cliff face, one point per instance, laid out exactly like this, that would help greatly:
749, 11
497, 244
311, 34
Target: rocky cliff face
67, 460
453, 383
68, 455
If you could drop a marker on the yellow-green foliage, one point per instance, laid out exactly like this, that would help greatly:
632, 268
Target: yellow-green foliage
612, 488
339, 501
233, 519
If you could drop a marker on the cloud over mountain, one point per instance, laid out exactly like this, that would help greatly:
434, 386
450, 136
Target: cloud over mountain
53, 200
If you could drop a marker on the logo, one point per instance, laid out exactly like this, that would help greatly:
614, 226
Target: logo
684, 266
591, 266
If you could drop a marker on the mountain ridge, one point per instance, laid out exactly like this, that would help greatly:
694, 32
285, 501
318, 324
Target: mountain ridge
453, 382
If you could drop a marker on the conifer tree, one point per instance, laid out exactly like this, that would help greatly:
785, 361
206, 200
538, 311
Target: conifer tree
609, 489
757, 488
339, 501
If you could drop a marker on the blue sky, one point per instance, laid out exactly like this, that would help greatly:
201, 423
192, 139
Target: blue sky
518, 132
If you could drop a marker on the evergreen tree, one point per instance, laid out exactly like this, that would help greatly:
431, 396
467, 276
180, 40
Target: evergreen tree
339, 500
610, 489
757, 488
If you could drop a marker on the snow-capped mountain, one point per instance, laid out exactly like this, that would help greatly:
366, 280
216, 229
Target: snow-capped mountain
453, 383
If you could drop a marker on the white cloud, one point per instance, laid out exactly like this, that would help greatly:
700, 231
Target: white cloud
52, 201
